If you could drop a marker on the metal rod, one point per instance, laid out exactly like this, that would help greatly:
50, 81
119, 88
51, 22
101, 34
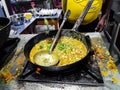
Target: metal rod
82, 16
114, 37
109, 39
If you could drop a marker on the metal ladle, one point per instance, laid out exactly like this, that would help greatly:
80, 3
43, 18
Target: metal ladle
47, 58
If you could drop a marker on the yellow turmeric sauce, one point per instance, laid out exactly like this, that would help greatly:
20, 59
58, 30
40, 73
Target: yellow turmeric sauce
68, 49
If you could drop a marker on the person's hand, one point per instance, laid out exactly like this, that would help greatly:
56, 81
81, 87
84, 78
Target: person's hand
100, 25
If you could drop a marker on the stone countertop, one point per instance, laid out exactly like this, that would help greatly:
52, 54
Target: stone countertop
10, 72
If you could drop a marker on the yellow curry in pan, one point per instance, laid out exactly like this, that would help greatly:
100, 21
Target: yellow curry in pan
68, 50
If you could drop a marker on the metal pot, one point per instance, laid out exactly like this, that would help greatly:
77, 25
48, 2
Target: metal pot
5, 30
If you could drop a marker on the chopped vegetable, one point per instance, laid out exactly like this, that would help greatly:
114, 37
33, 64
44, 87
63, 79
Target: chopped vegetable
40, 47
62, 46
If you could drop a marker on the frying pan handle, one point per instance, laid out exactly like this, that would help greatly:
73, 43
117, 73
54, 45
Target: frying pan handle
82, 16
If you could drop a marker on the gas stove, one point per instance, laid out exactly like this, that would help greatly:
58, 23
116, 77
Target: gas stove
88, 75
7, 51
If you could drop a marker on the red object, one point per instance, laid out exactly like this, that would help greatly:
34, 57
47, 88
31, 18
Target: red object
38, 69
33, 4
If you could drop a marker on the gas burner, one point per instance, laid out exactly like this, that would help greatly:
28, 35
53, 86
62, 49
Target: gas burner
7, 51
88, 75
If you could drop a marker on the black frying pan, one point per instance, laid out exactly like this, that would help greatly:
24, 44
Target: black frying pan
67, 32
42, 36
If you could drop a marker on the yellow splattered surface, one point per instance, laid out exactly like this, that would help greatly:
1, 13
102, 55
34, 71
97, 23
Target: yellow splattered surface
105, 61
13, 68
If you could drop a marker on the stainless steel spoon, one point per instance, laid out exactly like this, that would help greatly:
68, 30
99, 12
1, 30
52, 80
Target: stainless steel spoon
47, 58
